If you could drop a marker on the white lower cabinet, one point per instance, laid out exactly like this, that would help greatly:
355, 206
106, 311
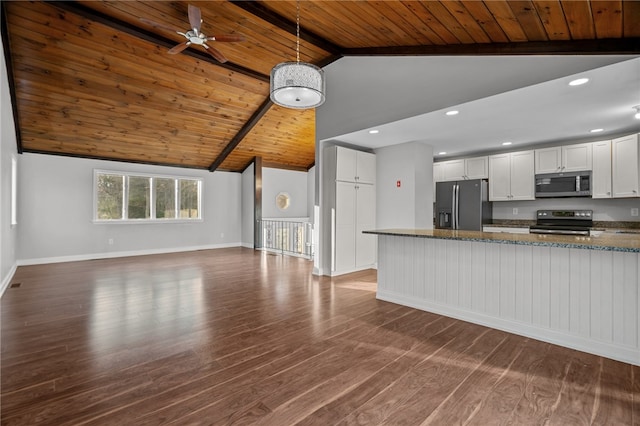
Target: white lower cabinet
354, 213
349, 206
505, 229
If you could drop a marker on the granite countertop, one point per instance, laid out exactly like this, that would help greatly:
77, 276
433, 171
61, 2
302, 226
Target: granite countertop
609, 241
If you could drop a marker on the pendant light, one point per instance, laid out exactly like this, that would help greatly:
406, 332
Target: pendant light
297, 85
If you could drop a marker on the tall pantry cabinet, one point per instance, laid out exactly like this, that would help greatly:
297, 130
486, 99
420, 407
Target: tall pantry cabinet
350, 207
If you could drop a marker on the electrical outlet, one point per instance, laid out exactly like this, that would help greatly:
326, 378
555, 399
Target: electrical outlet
110, 241
634, 211
222, 235
515, 211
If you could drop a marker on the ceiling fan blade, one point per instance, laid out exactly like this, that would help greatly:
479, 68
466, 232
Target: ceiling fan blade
227, 37
179, 48
215, 53
155, 24
195, 18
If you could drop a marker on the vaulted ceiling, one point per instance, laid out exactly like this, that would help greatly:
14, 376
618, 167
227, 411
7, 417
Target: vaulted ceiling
92, 79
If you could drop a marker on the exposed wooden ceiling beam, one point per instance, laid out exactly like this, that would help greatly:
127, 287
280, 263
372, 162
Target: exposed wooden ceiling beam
4, 29
134, 31
103, 158
257, 8
246, 128
618, 46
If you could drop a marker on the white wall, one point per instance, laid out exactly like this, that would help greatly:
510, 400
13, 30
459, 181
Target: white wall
8, 150
411, 204
56, 212
603, 209
248, 205
293, 183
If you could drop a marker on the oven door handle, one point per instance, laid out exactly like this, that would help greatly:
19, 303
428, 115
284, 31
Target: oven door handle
554, 231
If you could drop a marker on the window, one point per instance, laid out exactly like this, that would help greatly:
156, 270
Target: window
14, 191
145, 198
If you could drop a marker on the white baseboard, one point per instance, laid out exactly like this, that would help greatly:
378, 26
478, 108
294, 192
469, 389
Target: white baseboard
609, 350
6, 280
110, 255
349, 271
247, 245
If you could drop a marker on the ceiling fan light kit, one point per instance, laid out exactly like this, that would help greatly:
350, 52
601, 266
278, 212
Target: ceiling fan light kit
297, 85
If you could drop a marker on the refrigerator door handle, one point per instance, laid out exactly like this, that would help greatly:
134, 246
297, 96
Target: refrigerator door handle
453, 207
457, 211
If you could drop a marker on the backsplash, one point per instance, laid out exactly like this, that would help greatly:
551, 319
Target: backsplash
604, 210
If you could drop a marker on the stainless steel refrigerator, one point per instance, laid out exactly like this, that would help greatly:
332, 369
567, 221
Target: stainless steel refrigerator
463, 205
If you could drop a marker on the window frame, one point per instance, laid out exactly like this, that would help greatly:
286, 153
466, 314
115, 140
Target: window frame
152, 198
14, 191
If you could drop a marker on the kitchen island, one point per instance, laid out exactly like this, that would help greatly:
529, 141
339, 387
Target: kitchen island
578, 292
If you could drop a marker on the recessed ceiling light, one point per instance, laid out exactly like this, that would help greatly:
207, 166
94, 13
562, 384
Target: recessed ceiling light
452, 112
637, 108
578, 82
596, 130
507, 143
373, 132
442, 153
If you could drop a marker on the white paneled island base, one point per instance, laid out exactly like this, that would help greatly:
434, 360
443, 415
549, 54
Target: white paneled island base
581, 298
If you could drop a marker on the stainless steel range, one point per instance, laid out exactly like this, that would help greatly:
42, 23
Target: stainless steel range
567, 222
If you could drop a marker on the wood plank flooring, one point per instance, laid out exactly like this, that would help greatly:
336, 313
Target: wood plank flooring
234, 336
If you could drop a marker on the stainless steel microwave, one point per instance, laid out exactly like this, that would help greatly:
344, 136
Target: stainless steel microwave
570, 184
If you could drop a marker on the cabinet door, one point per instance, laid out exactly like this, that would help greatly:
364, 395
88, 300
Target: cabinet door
346, 164
576, 158
601, 177
345, 226
476, 168
626, 159
438, 173
438, 176
365, 167
548, 160
500, 177
365, 221
522, 176
453, 170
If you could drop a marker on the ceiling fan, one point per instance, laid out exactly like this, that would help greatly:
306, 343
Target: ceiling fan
195, 37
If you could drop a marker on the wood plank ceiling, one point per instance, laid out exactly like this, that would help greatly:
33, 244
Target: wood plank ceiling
91, 79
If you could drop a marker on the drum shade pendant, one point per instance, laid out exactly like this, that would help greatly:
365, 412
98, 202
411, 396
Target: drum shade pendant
297, 85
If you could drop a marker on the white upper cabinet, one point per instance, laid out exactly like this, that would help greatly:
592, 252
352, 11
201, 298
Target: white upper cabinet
355, 166
522, 176
568, 158
601, 177
577, 158
462, 169
500, 177
625, 167
476, 168
453, 170
511, 176
548, 160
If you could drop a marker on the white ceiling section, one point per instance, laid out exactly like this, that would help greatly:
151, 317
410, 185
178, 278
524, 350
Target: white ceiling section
524, 99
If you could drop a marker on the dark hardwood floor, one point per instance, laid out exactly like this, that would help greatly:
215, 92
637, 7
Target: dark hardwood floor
234, 336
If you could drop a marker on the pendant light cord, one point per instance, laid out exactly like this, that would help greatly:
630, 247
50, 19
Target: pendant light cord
298, 31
